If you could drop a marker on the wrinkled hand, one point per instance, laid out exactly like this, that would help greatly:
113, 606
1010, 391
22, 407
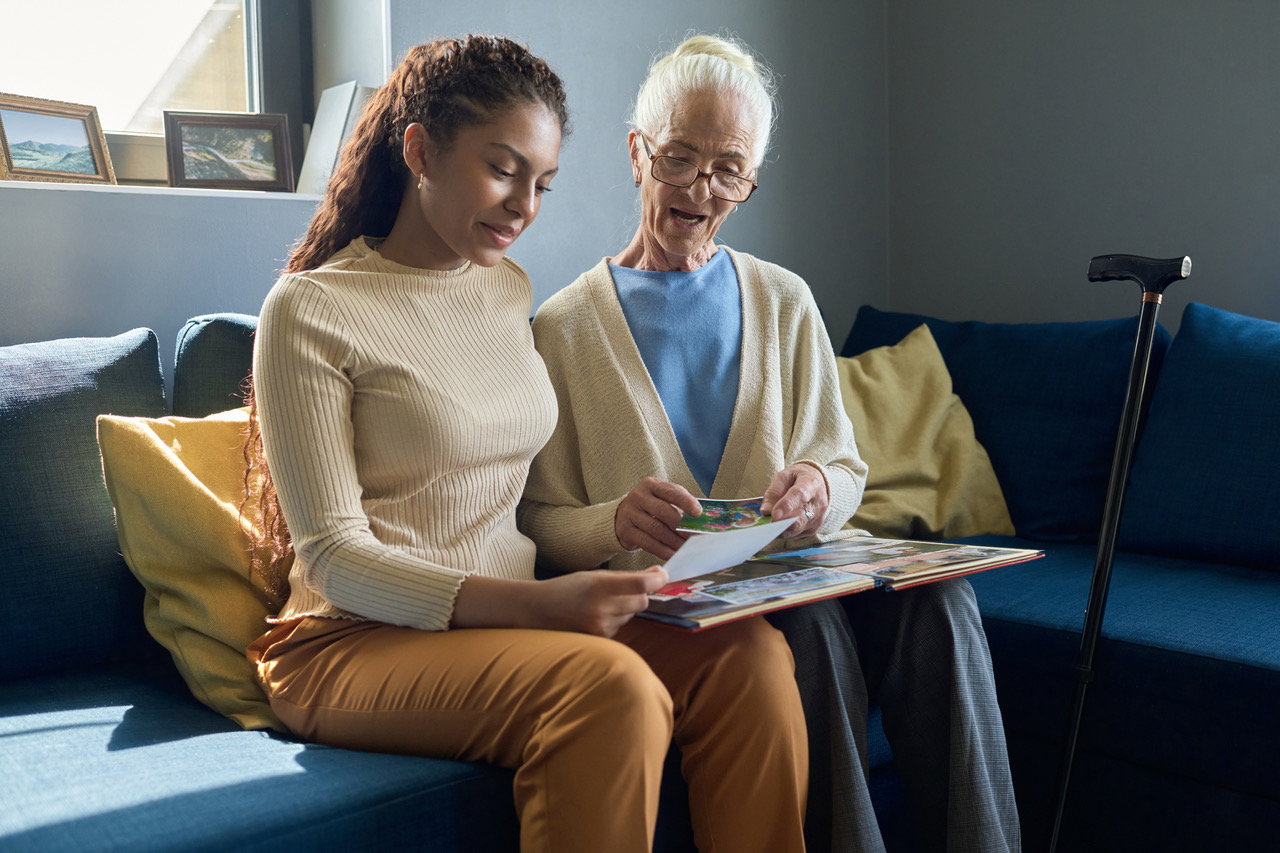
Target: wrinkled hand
600, 601
647, 518
793, 490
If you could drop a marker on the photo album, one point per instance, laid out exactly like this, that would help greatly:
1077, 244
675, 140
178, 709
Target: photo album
734, 581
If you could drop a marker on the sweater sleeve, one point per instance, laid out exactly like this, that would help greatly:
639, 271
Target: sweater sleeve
820, 432
556, 511
302, 361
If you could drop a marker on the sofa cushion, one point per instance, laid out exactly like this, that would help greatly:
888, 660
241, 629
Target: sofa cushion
177, 485
1206, 475
1187, 670
1046, 400
137, 765
214, 355
928, 477
68, 600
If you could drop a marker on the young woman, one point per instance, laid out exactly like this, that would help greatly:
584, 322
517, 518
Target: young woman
400, 402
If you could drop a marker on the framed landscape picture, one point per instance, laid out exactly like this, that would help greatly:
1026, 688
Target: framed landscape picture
44, 140
230, 151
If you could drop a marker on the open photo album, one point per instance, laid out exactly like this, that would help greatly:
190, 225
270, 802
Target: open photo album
768, 582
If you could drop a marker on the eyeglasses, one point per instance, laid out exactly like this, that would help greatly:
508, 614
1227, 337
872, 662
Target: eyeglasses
675, 172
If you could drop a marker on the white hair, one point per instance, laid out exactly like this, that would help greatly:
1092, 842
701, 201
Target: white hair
707, 63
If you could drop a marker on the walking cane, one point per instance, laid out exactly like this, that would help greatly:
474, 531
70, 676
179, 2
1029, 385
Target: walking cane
1153, 276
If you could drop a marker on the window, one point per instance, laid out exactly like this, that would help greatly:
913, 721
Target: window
133, 59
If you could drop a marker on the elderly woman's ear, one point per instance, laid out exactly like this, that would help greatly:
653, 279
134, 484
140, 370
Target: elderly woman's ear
633, 150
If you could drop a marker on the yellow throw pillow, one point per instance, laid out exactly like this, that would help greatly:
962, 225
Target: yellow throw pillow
929, 478
176, 484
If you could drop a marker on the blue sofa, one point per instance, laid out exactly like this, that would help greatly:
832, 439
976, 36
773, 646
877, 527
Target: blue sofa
1178, 747
105, 748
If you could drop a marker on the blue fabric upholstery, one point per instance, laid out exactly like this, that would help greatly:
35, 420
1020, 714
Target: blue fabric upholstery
1046, 400
1205, 476
214, 356
1177, 748
1187, 673
110, 759
58, 549
140, 765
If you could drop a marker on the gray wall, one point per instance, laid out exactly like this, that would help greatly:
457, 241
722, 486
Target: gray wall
820, 210
350, 42
964, 160
79, 261
1027, 137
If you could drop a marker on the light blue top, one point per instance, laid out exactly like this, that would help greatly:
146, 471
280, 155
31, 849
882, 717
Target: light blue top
688, 328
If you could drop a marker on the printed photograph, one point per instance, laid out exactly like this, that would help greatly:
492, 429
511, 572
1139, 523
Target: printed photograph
212, 153
49, 143
720, 515
757, 589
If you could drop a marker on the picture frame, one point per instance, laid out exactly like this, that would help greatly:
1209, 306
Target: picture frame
55, 141
228, 151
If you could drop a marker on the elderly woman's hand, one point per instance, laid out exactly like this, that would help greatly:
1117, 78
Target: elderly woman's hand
798, 490
647, 518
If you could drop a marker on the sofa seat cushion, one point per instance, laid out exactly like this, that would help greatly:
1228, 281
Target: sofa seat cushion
139, 766
1045, 399
68, 600
1187, 671
109, 759
1204, 482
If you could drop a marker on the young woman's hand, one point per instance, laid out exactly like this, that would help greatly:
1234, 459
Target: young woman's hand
647, 518
592, 602
598, 602
798, 490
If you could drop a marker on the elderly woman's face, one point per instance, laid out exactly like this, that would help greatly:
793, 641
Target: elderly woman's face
709, 130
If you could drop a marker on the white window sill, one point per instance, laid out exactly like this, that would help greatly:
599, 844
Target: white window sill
125, 189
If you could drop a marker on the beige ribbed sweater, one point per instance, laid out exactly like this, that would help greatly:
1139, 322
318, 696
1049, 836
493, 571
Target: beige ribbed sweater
613, 430
400, 410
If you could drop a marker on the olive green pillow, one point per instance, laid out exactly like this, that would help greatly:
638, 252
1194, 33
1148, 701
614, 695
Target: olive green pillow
176, 484
929, 478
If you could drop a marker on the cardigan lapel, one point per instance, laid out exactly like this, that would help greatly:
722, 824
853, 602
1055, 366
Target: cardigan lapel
743, 428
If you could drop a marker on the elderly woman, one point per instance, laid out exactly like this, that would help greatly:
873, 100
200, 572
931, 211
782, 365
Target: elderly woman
685, 369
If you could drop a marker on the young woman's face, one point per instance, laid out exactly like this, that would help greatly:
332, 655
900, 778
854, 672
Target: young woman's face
481, 193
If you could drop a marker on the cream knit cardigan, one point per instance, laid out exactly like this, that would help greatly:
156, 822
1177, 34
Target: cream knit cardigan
613, 431
400, 410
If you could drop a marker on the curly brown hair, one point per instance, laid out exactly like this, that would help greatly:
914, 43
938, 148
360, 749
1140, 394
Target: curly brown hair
445, 85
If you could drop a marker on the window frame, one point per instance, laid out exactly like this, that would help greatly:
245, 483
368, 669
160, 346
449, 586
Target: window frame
278, 73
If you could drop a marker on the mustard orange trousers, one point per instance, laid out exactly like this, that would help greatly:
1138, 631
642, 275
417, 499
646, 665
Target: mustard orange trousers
586, 722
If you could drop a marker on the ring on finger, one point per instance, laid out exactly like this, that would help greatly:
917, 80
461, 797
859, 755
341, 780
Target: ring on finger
808, 513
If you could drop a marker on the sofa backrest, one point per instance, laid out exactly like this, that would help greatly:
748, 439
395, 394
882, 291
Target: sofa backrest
67, 599
1046, 401
1206, 473
214, 355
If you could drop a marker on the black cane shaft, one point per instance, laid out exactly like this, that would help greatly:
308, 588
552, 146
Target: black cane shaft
1119, 482
1120, 464
1153, 276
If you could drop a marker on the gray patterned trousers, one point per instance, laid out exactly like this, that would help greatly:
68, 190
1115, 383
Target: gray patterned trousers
922, 655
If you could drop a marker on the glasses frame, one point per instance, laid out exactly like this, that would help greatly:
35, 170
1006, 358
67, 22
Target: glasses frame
653, 163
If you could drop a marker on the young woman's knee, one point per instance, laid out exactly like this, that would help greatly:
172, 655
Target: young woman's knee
752, 657
614, 681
